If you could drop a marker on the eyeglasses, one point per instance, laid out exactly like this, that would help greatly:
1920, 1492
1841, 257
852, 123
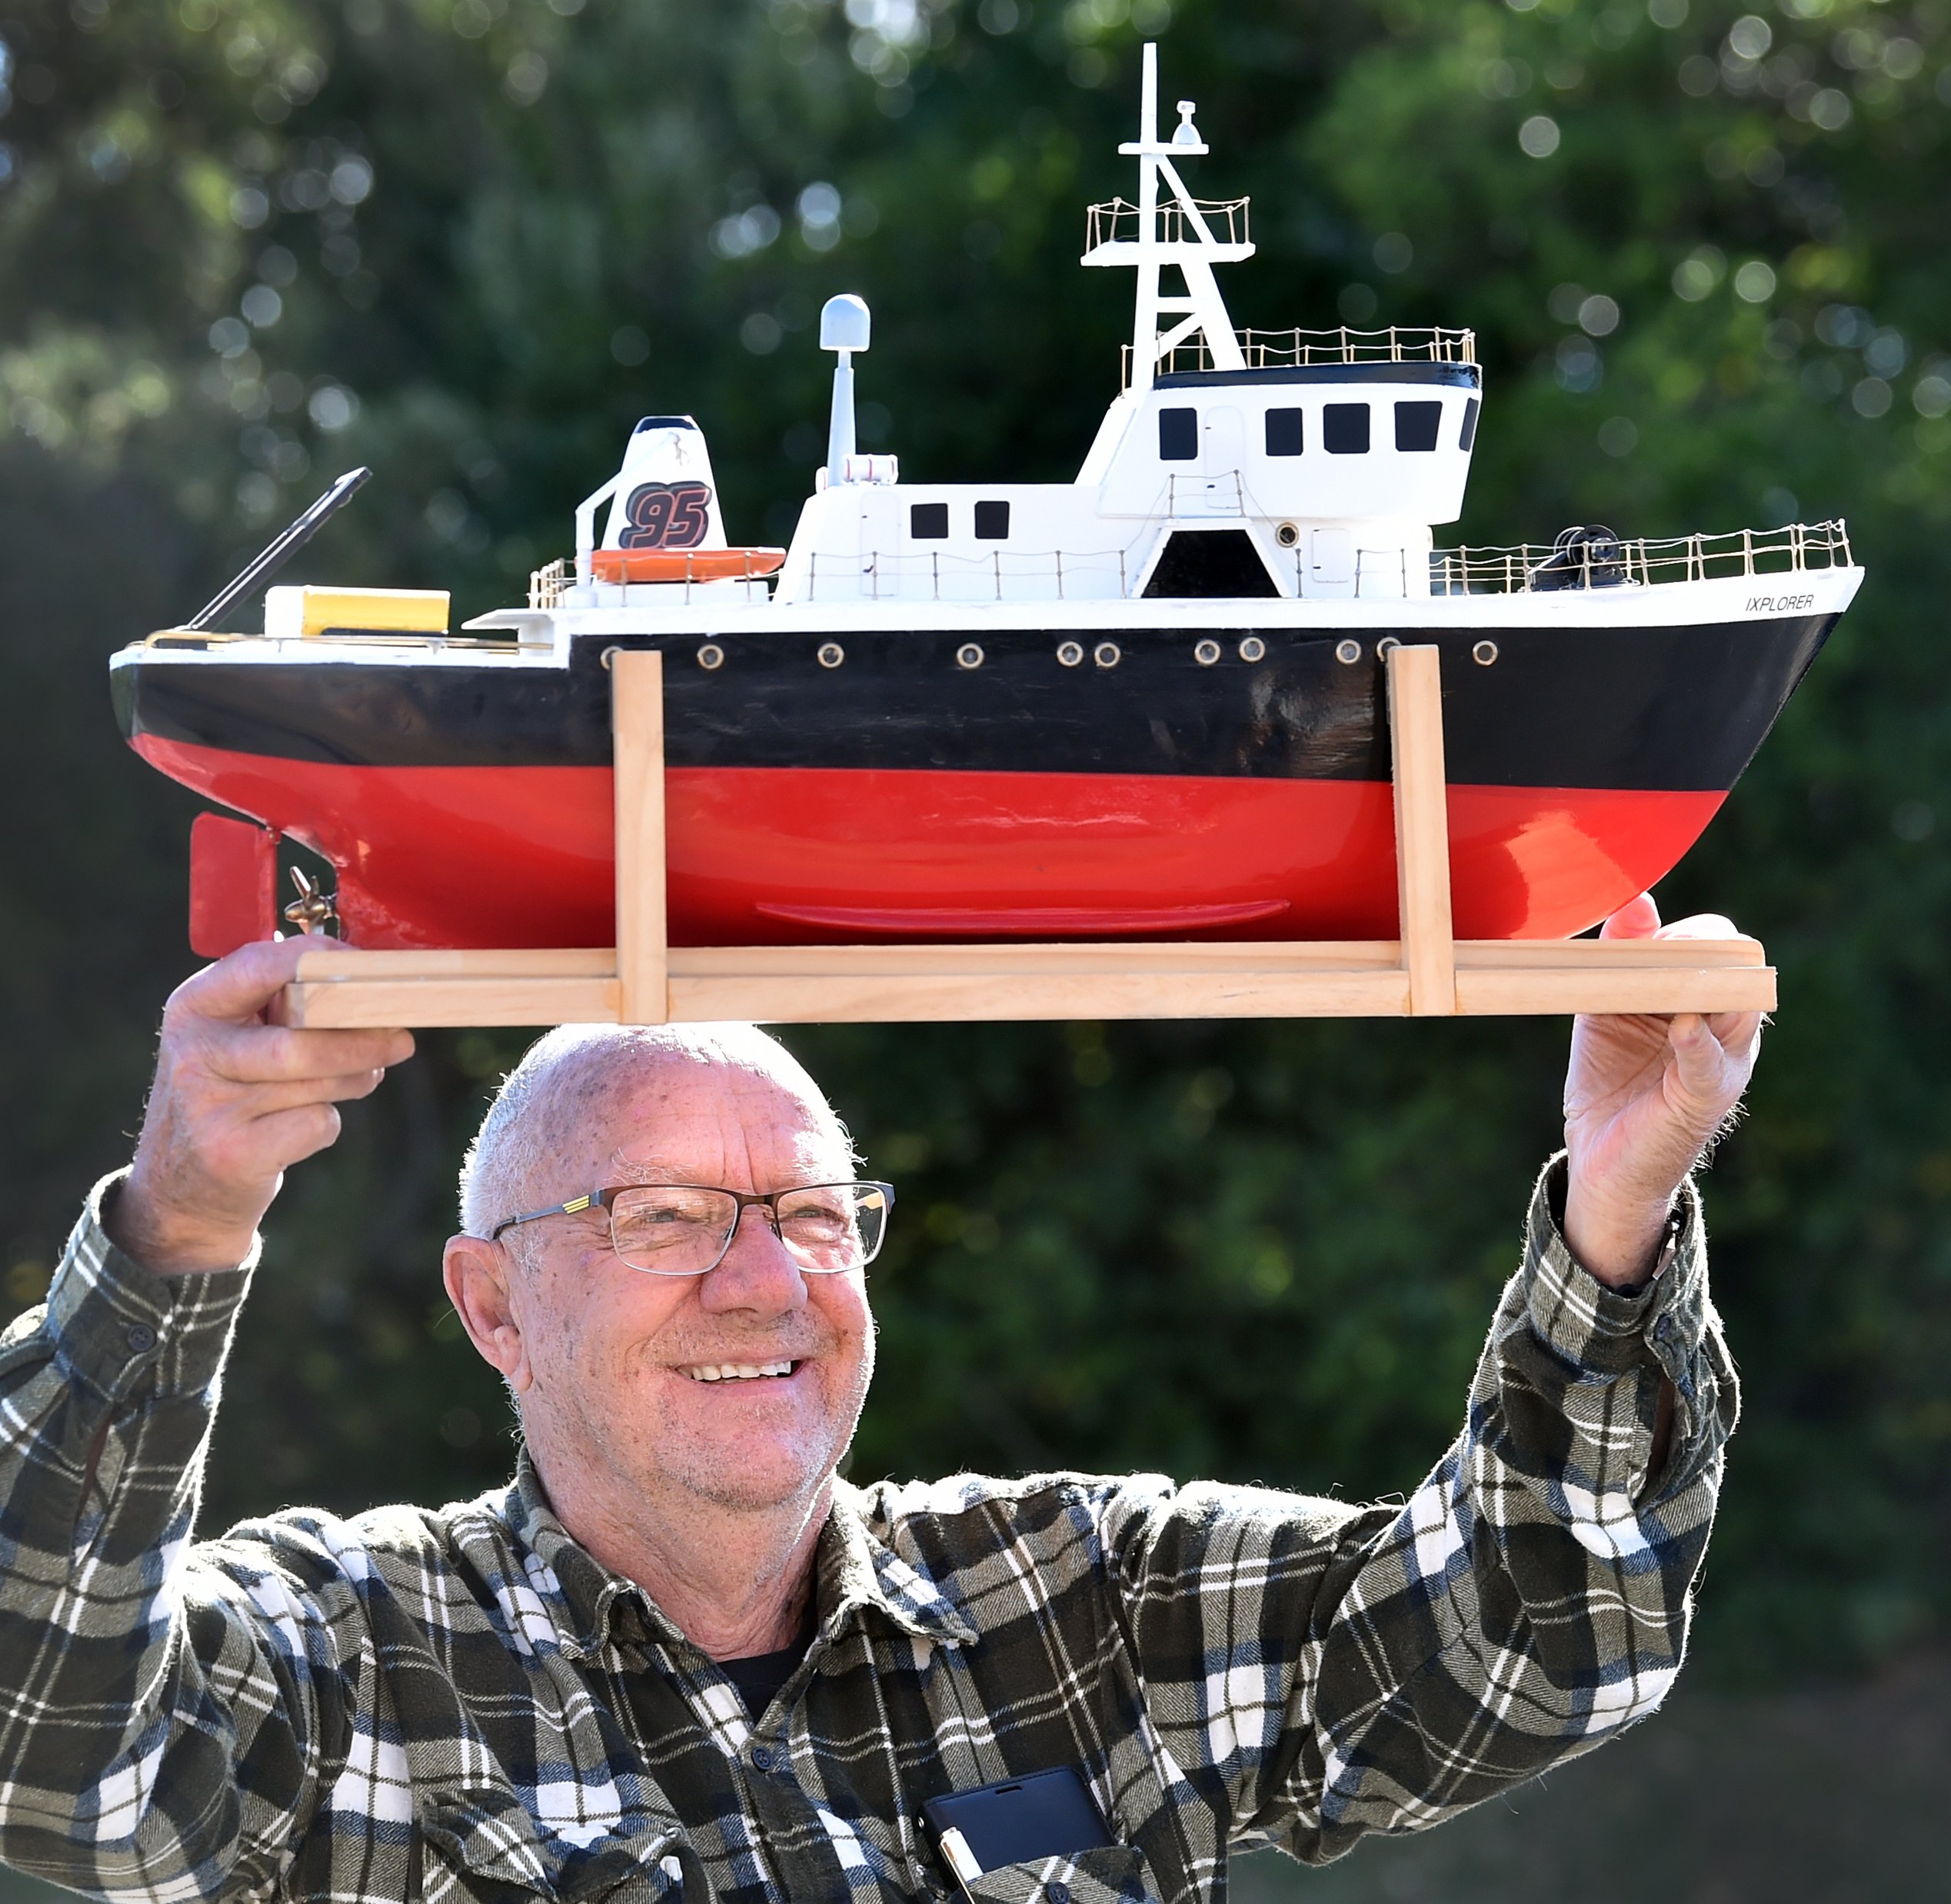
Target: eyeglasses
686, 1229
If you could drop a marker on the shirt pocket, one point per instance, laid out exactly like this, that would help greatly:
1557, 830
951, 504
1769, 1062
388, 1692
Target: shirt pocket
482, 1852
631, 1870
1109, 1874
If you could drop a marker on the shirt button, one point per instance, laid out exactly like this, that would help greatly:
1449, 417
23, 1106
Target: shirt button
1057, 1891
141, 1338
762, 1758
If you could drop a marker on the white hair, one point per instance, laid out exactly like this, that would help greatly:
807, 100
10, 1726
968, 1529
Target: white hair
577, 1068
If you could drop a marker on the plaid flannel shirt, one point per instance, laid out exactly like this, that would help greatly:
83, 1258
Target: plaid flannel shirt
463, 1704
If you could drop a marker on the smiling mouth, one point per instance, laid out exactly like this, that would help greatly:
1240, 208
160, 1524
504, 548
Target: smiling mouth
738, 1371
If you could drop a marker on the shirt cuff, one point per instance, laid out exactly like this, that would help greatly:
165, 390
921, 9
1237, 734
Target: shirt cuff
1591, 1325
114, 1326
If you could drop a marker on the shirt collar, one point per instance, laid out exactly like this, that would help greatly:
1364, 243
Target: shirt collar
584, 1609
857, 1570
853, 1571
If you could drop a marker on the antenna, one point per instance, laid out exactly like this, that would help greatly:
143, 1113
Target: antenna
279, 553
845, 326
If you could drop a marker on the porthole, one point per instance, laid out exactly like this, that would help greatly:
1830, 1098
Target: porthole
1070, 653
1107, 654
1484, 653
1253, 649
711, 655
831, 654
1205, 653
968, 655
1348, 653
1286, 535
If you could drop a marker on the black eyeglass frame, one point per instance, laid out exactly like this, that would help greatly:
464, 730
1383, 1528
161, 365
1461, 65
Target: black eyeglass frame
605, 1198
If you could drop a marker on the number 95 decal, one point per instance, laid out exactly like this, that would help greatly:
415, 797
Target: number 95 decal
667, 516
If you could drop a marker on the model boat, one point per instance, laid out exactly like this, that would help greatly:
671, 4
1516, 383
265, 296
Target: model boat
1146, 703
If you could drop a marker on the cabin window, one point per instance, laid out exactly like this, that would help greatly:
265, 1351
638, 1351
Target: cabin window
992, 521
1344, 428
928, 522
1469, 425
1178, 436
1283, 433
1416, 425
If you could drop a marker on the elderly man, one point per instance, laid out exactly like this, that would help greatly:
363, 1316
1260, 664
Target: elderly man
680, 1655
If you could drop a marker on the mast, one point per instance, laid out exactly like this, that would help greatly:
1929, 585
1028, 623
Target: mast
1181, 230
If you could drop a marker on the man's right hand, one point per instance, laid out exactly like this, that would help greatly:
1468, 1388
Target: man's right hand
237, 1099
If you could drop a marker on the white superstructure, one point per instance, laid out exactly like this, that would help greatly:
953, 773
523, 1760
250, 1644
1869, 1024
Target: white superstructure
1274, 471
1302, 463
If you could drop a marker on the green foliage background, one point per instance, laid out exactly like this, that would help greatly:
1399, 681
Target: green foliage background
245, 244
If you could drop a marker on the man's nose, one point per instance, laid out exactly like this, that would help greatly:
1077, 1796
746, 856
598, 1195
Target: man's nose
757, 1272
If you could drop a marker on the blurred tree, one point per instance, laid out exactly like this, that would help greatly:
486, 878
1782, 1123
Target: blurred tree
245, 244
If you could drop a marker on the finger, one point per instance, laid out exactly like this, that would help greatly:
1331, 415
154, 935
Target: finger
239, 985
1699, 1058
1739, 1032
264, 1055
1707, 1071
246, 1157
1700, 925
1637, 919
267, 1100
294, 1135
245, 983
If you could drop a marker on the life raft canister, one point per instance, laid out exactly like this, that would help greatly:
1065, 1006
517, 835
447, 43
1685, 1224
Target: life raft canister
664, 524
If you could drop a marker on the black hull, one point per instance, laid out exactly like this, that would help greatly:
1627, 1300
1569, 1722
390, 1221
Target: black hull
1631, 708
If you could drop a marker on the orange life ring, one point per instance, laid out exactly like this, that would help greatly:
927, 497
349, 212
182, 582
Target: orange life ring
683, 565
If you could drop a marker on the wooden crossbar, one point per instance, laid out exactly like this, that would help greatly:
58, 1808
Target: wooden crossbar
644, 980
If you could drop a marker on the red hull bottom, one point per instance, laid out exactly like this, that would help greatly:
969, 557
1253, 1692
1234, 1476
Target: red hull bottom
475, 856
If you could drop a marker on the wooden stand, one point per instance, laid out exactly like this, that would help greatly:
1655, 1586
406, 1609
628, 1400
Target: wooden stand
645, 981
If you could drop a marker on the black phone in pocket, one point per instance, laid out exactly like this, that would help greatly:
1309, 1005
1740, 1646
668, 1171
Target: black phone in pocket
1041, 1815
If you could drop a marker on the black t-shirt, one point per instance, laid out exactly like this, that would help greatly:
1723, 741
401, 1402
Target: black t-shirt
760, 1677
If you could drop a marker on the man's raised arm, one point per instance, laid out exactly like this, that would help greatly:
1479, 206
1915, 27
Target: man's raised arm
151, 1744
1321, 1670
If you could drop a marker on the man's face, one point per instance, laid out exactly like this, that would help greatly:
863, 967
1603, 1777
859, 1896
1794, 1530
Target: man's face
616, 1353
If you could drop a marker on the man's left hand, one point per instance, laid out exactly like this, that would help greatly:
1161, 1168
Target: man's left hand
1643, 1098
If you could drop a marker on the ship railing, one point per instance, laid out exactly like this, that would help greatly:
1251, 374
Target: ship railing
1297, 349
1197, 497
1119, 221
998, 575
1595, 558
547, 586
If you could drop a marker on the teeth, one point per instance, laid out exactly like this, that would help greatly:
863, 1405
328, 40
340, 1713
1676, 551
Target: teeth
737, 1371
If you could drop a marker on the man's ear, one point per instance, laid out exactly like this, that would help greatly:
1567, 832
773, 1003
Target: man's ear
477, 1275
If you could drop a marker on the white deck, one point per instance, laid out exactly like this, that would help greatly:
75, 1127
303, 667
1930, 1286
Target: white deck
547, 637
